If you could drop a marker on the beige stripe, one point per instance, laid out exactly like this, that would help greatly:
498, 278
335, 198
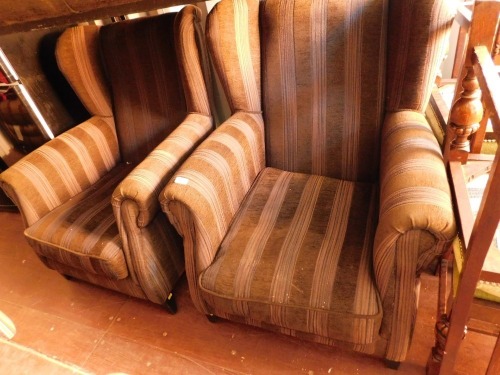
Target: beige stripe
205, 188
148, 179
106, 252
242, 37
353, 60
40, 181
86, 69
418, 195
326, 263
225, 173
408, 166
417, 123
191, 62
82, 152
239, 158
417, 144
254, 138
319, 17
64, 170
384, 262
258, 239
282, 281
165, 157
101, 140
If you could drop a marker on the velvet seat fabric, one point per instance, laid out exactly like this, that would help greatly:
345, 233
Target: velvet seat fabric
315, 207
89, 197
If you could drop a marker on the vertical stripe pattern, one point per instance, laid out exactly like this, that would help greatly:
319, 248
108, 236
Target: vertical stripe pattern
319, 73
144, 184
146, 85
417, 42
271, 264
212, 183
233, 40
296, 252
353, 56
322, 85
78, 57
193, 60
416, 221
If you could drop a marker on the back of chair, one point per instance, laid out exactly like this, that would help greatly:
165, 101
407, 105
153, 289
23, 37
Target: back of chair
142, 68
317, 69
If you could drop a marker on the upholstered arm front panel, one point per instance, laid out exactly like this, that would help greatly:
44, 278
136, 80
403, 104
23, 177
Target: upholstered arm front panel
79, 59
204, 195
62, 168
417, 42
416, 221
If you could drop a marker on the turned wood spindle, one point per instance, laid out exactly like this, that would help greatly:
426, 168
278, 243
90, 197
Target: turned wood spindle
465, 115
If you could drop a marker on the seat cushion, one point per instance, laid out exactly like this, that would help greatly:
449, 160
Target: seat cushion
298, 255
82, 233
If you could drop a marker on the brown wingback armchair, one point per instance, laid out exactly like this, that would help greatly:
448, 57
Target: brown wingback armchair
315, 207
89, 198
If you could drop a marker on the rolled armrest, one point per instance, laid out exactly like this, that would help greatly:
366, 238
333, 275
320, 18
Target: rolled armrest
416, 222
206, 192
414, 189
61, 168
144, 184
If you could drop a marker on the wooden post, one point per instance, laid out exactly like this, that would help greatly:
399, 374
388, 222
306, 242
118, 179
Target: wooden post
465, 115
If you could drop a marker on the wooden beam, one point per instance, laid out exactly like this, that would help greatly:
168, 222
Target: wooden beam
26, 15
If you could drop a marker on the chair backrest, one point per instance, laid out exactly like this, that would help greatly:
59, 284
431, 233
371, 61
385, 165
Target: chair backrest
146, 86
317, 70
130, 70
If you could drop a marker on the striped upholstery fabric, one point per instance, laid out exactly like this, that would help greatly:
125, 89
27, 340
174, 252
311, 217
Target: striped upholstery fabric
82, 232
417, 44
147, 91
416, 222
78, 57
233, 39
194, 63
144, 184
328, 57
62, 168
128, 285
328, 242
90, 211
318, 89
298, 255
213, 183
